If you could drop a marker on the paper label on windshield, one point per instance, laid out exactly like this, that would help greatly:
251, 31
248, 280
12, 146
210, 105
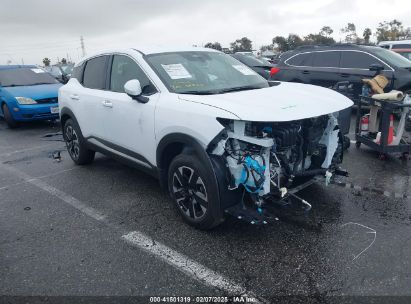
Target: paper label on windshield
37, 71
176, 71
244, 70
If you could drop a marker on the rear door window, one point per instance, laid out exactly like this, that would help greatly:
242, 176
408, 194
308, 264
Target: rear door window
327, 59
357, 60
401, 46
303, 59
78, 72
95, 73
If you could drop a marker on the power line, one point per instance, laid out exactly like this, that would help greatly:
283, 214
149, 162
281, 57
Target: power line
42, 47
38, 43
83, 49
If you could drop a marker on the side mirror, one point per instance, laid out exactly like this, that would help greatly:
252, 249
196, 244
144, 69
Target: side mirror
133, 89
376, 67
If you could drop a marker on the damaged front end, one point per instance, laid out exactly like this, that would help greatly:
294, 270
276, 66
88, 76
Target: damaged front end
260, 163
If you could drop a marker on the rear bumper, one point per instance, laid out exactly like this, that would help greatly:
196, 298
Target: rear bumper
34, 112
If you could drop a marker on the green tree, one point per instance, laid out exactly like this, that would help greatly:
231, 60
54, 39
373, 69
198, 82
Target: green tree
350, 32
281, 43
242, 45
294, 41
46, 62
326, 31
215, 45
367, 35
285, 44
323, 37
392, 30
318, 39
264, 48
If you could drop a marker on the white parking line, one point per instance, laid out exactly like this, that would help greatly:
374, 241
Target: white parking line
39, 177
185, 264
56, 192
138, 239
26, 150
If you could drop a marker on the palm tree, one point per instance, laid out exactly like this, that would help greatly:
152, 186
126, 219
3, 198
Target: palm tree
46, 62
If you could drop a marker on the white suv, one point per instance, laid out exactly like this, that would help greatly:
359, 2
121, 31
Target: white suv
219, 138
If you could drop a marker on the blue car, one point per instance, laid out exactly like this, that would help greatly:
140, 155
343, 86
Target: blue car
27, 93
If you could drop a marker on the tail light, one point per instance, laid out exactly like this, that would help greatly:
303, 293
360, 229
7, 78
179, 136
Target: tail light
274, 71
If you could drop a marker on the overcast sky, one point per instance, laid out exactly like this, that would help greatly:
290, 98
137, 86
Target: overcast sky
34, 29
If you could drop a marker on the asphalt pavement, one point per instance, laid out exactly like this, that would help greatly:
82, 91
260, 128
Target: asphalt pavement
108, 230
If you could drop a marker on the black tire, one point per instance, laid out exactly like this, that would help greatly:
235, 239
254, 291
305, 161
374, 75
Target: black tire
76, 144
347, 143
9, 118
194, 191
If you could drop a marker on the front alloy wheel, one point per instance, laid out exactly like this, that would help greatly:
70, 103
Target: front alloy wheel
190, 193
194, 190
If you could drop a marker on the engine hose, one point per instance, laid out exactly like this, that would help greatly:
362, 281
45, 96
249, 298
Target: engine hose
284, 165
341, 138
300, 154
311, 172
247, 171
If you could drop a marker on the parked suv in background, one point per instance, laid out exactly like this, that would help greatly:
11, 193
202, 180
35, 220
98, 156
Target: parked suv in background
260, 65
402, 47
208, 127
327, 65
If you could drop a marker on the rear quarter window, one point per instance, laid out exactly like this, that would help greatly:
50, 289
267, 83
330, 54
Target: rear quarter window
95, 73
401, 46
78, 72
303, 59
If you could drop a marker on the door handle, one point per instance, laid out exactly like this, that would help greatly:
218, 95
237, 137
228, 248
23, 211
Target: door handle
107, 103
345, 75
306, 72
75, 97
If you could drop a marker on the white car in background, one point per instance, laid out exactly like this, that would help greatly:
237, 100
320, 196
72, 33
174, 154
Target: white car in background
217, 136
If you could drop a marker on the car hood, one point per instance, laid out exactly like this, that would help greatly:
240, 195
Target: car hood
36, 91
283, 102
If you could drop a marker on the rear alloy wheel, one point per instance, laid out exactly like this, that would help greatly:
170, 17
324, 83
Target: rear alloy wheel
194, 192
8, 117
72, 141
76, 145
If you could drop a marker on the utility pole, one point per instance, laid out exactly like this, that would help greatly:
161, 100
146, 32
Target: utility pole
83, 49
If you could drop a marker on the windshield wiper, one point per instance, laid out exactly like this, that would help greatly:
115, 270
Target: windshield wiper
39, 83
14, 85
237, 89
198, 92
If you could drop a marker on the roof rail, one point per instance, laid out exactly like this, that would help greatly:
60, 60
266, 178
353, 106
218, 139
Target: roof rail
313, 46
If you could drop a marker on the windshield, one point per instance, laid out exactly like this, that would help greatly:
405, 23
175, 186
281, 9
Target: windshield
204, 73
392, 58
25, 77
53, 70
406, 54
252, 60
67, 69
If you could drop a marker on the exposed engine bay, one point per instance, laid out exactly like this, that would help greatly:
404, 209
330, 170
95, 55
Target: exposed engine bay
267, 159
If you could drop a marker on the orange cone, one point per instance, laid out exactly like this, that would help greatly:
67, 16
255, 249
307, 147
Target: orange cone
365, 122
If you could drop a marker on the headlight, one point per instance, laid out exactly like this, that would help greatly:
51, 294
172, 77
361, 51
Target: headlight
25, 101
